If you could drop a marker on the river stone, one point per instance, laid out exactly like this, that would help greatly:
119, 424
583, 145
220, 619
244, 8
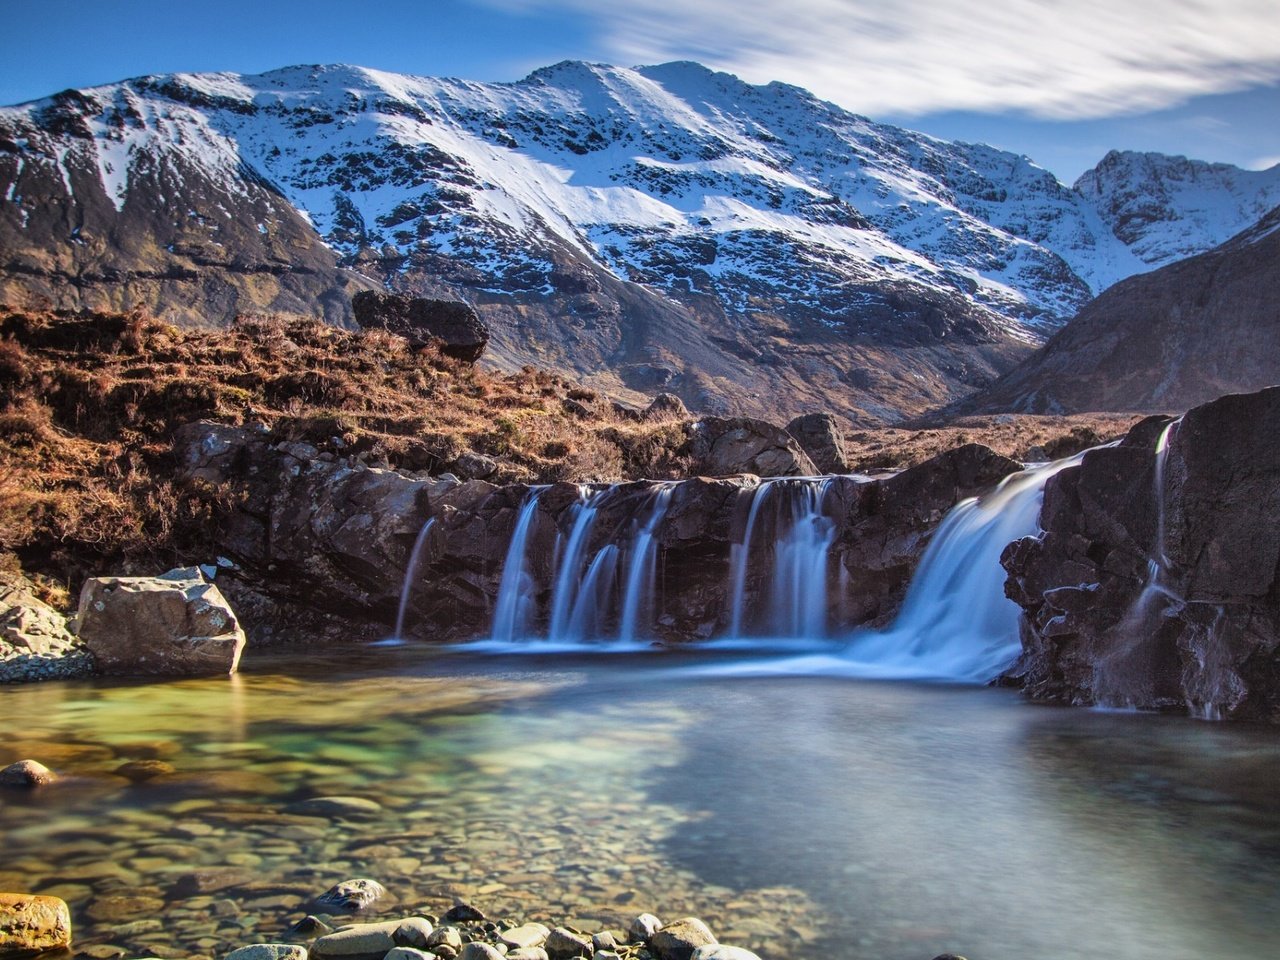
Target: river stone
643, 927
463, 913
142, 770
564, 944
26, 773
31, 924
371, 939
408, 953
310, 926
335, 807
605, 940
269, 951
526, 935
445, 937
527, 953
677, 940
351, 896
479, 951
718, 951
177, 624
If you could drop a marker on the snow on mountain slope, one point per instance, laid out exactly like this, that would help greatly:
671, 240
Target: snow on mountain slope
649, 171
672, 226
1168, 208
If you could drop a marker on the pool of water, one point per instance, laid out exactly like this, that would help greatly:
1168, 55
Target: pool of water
801, 816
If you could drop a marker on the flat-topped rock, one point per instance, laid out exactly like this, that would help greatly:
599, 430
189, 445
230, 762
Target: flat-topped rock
32, 924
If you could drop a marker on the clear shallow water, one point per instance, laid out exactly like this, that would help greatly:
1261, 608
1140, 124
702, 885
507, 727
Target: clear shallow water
802, 816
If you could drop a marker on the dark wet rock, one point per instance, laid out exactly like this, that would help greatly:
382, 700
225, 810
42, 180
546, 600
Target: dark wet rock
680, 938
463, 913
140, 771
821, 437
177, 624
453, 325
33, 924
351, 896
198, 883
1204, 634
565, 944
666, 406
26, 773
722, 447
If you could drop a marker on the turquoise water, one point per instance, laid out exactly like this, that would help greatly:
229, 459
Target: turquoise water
800, 816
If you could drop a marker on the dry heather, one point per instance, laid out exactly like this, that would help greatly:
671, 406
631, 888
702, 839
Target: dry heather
89, 402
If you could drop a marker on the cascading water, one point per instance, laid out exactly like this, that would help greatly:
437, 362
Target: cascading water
642, 560
410, 575
570, 568
516, 597
956, 622
794, 602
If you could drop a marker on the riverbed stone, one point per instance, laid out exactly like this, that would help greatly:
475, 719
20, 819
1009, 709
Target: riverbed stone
26, 773
33, 924
408, 953
479, 951
462, 912
527, 953
352, 896
140, 771
643, 927
446, 936
177, 624
336, 807
720, 951
564, 944
677, 940
525, 935
269, 951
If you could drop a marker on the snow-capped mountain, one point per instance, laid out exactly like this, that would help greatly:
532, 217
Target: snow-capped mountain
1168, 208
750, 247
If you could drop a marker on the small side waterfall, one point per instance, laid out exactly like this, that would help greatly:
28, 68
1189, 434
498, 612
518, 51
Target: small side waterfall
410, 575
516, 597
642, 560
956, 622
786, 527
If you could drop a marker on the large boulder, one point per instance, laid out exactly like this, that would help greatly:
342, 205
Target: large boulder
31, 924
725, 446
820, 436
35, 642
177, 624
1156, 582
452, 324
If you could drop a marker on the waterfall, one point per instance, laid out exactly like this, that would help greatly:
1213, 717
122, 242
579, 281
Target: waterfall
642, 559
793, 603
516, 597
569, 579
956, 622
410, 575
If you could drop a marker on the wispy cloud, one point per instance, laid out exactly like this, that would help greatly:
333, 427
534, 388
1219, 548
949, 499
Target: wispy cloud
1061, 59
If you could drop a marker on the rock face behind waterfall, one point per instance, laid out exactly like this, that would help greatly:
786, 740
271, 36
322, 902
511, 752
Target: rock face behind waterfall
1108, 620
316, 535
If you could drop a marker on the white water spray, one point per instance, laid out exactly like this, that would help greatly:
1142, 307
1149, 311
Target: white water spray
410, 575
516, 598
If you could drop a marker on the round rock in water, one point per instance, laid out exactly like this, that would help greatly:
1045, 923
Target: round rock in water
351, 896
141, 770
335, 807
678, 939
26, 773
269, 951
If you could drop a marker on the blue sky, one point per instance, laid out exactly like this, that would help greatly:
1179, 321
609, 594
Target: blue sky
1060, 82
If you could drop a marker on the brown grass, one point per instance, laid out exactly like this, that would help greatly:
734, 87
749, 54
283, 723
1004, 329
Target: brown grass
89, 402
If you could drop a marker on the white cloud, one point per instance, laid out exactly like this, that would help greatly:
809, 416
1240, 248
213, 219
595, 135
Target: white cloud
1061, 59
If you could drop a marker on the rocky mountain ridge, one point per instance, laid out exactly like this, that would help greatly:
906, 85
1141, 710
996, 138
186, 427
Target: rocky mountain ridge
750, 248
